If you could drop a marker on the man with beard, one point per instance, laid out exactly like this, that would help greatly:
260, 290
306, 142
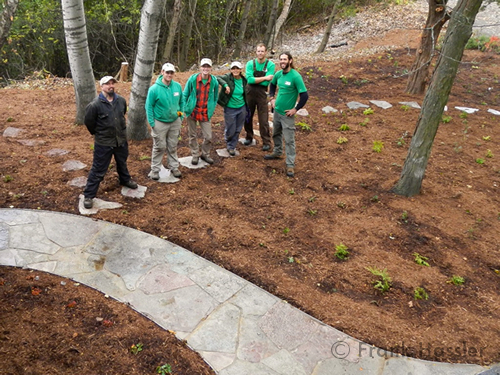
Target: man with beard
290, 85
105, 120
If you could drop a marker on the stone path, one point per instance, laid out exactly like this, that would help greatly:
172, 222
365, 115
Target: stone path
236, 327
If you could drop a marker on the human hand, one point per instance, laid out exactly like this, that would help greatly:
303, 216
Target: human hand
228, 90
290, 112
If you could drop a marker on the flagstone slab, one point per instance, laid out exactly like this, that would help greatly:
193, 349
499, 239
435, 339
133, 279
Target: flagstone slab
239, 367
254, 301
166, 176
57, 152
16, 217
414, 105
303, 112
11, 132
186, 162
138, 193
31, 237
4, 236
494, 112
73, 165
218, 361
217, 282
283, 363
8, 258
99, 204
161, 279
253, 343
381, 104
467, 110
31, 142
356, 105
329, 109
105, 281
224, 153
78, 182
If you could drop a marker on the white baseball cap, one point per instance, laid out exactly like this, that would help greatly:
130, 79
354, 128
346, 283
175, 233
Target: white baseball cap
206, 61
236, 64
167, 67
106, 79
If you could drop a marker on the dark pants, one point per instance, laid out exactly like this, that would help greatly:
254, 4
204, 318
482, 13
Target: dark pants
257, 98
102, 158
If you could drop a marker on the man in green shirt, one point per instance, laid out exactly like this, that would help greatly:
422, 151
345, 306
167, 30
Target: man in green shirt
290, 86
259, 72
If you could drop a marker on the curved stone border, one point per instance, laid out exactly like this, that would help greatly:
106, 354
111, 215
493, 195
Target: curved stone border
237, 327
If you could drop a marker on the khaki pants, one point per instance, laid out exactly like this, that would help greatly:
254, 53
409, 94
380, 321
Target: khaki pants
206, 131
165, 139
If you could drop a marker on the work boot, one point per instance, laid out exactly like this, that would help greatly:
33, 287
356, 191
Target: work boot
195, 160
247, 142
131, 184
207, 159
176, 173
266, 148
290, 172
88, 203
232, 152
154, 175
272, 156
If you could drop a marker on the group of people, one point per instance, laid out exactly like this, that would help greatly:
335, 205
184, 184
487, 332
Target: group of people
167, 104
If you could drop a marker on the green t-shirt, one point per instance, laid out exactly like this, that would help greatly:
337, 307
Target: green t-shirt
237, 100
249, 72
289, 85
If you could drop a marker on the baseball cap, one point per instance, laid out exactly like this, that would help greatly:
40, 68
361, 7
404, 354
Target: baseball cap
106, 79
167, 67
236, 64
206, 61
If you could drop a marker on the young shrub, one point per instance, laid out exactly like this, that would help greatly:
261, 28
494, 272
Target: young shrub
384, 284
420, 293
341, 251
378, 146
421, 260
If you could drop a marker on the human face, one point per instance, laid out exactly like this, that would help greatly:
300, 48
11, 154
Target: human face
205, 70
236, 72
167, 77
285, 63
109, 88
261, 53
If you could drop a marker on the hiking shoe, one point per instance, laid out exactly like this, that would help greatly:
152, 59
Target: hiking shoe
207, 159
131, 184
247, 142
88, 203
232, 152
266, 148
290, 172
154, 175
195, 160
176, 173
272, 156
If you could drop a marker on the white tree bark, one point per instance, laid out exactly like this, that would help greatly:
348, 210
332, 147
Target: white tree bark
151, 15
281, 19
75, 31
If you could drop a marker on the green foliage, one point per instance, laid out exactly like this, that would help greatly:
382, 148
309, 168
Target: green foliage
456, 280
489, 153
303, 126
421, 260
144, 157
384, 284
463, 115
446, 119
344, 79
342, 140
479, 161
420, 293
164, 369
365, 122
136, 348
368, 112
341, 251
405, 107
378, 146
344, 127
477, 42
7, 178
286, 230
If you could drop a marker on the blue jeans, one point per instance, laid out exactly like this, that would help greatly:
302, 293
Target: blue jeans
102, 158
234, 118
284, 127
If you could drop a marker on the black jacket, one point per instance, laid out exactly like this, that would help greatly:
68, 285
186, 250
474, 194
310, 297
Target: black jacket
106, 120
228, 79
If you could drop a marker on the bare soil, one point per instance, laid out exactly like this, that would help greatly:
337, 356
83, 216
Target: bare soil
281, 233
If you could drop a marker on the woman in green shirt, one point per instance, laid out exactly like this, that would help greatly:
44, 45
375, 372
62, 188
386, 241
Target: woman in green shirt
233, 98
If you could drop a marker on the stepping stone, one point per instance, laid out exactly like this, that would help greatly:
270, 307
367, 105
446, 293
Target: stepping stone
166, 176
381, 104
302, 112
242, 141
140, 192
78, 181
56, 152
411, 104
73, 165
329, 109
31, 142
186, 162
223, 153
467, 110
356, 105
99, 204
11, 132
494, 111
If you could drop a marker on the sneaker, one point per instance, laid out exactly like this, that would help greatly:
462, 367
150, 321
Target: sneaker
176, 173
131, 184
207, 159
247, 142
232, 152
266, 148
272, 156
290, 172
154, 175
195, 160
88, 203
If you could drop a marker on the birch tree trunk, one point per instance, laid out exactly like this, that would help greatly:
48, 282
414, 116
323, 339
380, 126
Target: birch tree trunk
328, 29
457, 35
151, 15
9, 10
281, 20
77, 46
243, 29
169, 45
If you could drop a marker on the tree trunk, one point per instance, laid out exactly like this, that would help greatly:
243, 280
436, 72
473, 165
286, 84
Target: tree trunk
459, 32
328, 30
191, 12
169, 45
75, 31
6, 18
270, 24
436, 19
281, 20
243, 29
151, 15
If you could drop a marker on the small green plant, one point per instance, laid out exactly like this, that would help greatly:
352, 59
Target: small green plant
479, 161
365, 122
286, 230
374, 199
344, 127
463, 115
342, 140
378, 146
341, 251
341, 204
136, 348
144, 157
291, 191
312, 212
421, 260
420, 293
456, 280
344, 79
404, 216
368, 112
312, 199
405, 107
445, 119
384, 284
91, 147
291, 259
304, 126
489, 153
164, 369
486, 137
7, 178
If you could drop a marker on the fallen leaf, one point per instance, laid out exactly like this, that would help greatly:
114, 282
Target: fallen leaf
71, 304
35, 291
107, 323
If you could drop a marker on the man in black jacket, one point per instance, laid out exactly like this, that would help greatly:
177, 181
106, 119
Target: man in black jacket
105, 120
